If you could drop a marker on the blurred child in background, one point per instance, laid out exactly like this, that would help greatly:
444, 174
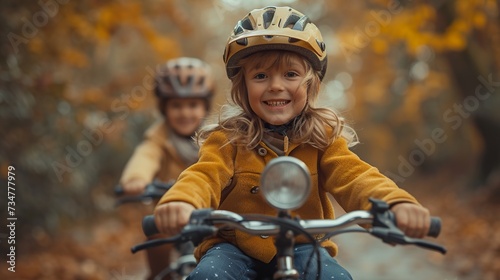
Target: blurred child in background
184, 88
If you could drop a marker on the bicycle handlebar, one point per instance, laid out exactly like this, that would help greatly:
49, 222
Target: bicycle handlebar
118, 190
265, 228
205, 222
154, 190
149, 226
435, 227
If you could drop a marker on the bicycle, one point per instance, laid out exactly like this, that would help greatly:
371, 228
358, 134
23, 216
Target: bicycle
286, 194
153, 191
186, 262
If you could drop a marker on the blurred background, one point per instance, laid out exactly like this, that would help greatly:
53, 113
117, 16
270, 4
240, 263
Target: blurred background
418, 80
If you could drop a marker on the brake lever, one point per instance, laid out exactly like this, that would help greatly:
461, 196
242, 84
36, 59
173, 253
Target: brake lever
164, 186
123, 200
194, 233
396, 236
426, 244
152, 191
157, 189
155, 242
384, 228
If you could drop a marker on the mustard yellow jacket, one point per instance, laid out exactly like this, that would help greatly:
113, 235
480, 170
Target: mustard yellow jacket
336, 170
154, 158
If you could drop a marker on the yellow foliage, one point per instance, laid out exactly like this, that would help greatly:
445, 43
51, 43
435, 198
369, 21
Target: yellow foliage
166, 48
74, 57
380, 46
469, 7
102, 33
459, 25
472, 12
36, 45
81, 25
130, 15
455, 41
114, 15
479, 20
414, 42
375, 92
415, 25
424, 13
491, 5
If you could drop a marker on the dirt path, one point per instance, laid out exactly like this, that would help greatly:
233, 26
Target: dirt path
370, 259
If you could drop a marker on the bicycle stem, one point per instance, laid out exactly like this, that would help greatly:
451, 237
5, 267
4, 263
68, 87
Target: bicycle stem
285, 242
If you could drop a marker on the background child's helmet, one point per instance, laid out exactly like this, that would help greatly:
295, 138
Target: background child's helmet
184, 77
275, 28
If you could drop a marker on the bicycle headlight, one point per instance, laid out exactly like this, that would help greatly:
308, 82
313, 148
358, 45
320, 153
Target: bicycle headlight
286, 183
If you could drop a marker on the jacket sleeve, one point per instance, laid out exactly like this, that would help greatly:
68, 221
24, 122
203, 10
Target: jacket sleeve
201, 184
352, 181
144, 163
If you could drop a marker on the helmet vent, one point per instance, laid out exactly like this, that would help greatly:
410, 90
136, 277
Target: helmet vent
189, 80
242, 41
238, 29
201, 81
321, 45
300, 25
247, 24
268, 18
242, 25
184, 77
291, 20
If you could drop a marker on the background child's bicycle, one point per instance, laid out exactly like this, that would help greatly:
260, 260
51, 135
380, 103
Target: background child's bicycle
181, 266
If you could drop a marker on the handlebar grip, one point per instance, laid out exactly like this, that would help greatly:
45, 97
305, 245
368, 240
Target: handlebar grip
149, 226
435, 227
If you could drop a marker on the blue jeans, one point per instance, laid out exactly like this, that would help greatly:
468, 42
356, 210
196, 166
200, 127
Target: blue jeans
226, 261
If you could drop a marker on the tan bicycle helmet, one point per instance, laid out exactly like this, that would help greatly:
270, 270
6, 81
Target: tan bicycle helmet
275, 28
184, 77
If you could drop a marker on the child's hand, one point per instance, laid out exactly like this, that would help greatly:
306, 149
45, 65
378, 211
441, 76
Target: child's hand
412, 219
171, 217
134, 186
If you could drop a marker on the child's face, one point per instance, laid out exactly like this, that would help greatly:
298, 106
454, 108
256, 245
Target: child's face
185, 115
277, 94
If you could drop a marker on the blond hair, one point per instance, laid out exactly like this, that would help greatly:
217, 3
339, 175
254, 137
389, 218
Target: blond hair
316, 126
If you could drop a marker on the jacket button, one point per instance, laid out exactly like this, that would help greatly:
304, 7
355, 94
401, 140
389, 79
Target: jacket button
254, 190
262, 151
264, 236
